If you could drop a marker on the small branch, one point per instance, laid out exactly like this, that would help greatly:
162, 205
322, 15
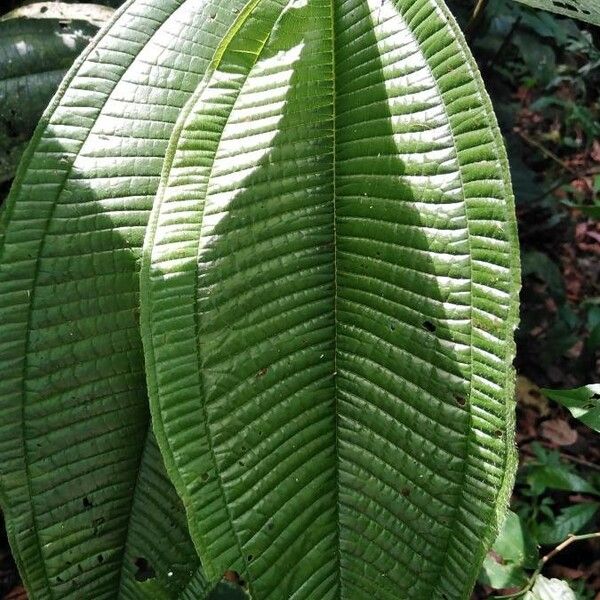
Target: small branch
563, 453
490, 63
475, 19
542, 563
548, 153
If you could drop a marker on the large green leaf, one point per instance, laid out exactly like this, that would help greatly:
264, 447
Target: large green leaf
87, 504
328, 304
586, 10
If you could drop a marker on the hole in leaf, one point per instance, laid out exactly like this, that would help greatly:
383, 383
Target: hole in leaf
100, 558
460, 400
144, 570
87, 503
429, 326
204, 476
44, 9
250, 557
405, 492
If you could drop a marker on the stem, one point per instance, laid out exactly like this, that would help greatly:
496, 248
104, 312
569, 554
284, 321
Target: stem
475, 19
542, 563
548, 153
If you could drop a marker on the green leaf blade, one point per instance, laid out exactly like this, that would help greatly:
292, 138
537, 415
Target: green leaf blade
328, 294
583, 403
90, 512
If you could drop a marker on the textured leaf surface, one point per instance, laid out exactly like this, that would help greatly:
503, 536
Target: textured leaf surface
328, 303
34, 57
89, 510
586, 10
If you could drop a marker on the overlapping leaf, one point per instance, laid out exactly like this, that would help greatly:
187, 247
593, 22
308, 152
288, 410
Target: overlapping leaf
89, 511
35, 54
585, 10
328, 304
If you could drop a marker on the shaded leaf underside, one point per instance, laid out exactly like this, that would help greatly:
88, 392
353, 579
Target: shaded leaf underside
328, 303
81, 482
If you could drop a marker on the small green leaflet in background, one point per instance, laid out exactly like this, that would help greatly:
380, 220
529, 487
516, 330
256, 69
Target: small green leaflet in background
570, 521
35, 54
583, 403
513, 551
584, 10
558, 478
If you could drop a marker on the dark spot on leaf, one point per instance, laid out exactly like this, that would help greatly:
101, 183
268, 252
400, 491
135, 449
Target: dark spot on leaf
44, 9
405, 492
241, 463
204, 476
498, 433
460, 400
59, 579
144, 570
96, 525
87, 503
250, 557
392, 327
429, 326
100, 558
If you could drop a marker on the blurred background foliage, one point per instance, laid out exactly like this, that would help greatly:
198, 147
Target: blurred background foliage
543, 74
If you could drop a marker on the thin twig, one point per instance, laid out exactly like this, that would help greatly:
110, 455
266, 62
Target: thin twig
542, 562
563, 454
475, 18
548, 153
